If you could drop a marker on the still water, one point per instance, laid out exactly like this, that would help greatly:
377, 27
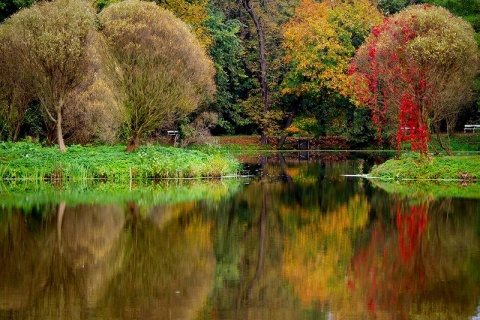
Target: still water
298, 240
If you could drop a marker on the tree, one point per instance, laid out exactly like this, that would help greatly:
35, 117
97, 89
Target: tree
320, 41
51, 39
416, 71
92, 112
159, 67
392, 6
260, 36
192, 12
262, 62
230, 78
15, 87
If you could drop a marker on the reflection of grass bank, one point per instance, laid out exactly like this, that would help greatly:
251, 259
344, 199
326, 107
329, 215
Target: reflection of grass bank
28, 195
411, 166
430, 189
27, 160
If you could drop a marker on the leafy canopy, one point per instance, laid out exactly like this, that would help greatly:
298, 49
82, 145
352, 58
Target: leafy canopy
160, 68
320, 41
416, 69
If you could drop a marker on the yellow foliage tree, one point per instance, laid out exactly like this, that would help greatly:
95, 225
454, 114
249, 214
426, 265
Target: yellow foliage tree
320, 42
194, 13
315, 259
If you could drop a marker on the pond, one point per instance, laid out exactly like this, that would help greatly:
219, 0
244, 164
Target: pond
296, 240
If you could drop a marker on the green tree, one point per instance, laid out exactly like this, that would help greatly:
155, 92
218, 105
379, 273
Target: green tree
9, 7
392, 6
51, 39
263, 59
159, 67
230, 77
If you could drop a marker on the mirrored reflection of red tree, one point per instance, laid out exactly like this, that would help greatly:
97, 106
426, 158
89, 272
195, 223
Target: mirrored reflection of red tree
390, 271
411, 229
417, 265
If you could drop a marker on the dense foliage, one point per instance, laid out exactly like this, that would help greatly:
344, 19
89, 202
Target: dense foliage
416, 71
47, 45
320, 41
273, 61
161, 71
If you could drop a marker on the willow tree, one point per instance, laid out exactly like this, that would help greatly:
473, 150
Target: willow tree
50, 40
15, 86
160, 69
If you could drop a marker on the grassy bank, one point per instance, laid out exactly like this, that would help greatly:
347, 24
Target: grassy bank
26, 160
411, 166
458, 142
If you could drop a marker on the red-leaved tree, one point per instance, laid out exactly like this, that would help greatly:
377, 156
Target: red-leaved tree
415, 72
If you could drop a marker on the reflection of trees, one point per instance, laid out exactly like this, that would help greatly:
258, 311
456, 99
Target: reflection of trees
332, 246
20, 249
168, 267
272, 230
65, 264
156, 264
316, 256
419, 265
248, 247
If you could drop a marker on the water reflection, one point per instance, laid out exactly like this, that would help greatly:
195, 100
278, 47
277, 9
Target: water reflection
299, 241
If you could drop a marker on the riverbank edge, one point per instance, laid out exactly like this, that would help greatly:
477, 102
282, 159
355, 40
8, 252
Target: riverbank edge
31, 161
411, 166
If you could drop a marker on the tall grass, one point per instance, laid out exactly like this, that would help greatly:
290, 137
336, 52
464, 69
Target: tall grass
31, 161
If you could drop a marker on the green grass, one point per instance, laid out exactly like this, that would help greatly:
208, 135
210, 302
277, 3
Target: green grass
412, 166
462, 142
29, 194
26, 160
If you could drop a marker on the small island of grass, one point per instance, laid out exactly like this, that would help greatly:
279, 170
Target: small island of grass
31, 161
412, 166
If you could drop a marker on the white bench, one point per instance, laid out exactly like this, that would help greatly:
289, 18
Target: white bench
174, 135
471, 127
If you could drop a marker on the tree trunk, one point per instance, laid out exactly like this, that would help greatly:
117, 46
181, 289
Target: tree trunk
60, 214
444, 146
16, 132
263, 65
291, 116
262, 241
61, 143
133, 143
